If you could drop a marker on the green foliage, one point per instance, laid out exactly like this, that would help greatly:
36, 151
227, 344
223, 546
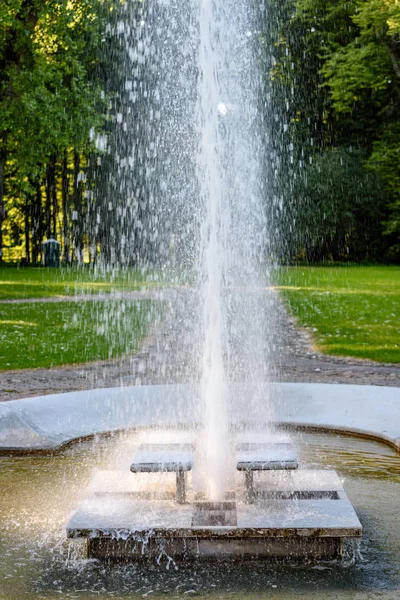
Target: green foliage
48, 48
343, 99
385, 160
339, 208
49, 98
359, 72
333, 78
359, 44
351, 311
366, 68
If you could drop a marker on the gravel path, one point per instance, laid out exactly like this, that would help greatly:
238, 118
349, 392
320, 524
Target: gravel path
118, 295
168, 356
299, 362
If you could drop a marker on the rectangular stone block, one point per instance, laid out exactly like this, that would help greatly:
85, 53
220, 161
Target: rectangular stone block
203, 549
302, 515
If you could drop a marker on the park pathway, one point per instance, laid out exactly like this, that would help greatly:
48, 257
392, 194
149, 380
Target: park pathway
169, 356
102, 296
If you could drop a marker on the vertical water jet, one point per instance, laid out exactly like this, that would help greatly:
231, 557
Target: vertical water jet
214, 447
233, 230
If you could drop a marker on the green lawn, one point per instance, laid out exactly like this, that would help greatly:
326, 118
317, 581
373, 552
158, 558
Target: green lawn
41, 283
45, 335
352, 311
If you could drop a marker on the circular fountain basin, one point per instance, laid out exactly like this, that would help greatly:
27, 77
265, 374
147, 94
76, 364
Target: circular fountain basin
40, 492
47, 423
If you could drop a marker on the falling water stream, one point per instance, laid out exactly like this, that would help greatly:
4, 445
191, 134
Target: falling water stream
231, 205
185, 170
215, 449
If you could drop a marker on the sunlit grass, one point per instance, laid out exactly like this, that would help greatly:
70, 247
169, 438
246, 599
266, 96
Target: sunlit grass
51, 334
16, 283
15, 322
351, 311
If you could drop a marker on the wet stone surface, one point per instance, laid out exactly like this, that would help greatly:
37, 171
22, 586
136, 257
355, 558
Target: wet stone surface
168, 355
39, 494
307, 513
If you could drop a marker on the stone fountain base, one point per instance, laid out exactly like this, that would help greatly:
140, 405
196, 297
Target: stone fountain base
294, 515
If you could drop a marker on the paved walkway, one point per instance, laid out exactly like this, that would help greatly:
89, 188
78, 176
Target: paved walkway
169, 356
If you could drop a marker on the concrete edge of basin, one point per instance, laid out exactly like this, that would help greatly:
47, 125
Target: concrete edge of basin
54, 422
282, 426
341, 430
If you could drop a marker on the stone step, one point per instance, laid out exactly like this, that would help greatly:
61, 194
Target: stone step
306, 515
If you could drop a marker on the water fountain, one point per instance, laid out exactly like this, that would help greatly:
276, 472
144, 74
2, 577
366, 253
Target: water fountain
286, 513
180, 512
238, 492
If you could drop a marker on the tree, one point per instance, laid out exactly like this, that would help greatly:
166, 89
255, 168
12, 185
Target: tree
339, 209
359, 46
48, 96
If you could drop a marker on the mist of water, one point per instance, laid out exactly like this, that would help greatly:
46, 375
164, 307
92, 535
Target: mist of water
183, 188
231, 243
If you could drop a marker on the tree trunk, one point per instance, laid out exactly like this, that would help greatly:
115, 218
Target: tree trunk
54, 197
37, 222
64, 194
77, 216
48, 202
51, 199
394, 58
2, 207
27, 232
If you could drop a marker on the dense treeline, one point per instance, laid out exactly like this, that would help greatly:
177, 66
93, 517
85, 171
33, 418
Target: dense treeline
51, 103
64, 75
336, 85
332, 72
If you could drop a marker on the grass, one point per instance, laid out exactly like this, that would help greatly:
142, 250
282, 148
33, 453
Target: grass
54, 334
51, 334
36, 282
352, 311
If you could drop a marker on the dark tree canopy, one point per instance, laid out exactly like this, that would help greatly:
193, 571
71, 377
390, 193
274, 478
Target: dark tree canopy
332, 114
337, 73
